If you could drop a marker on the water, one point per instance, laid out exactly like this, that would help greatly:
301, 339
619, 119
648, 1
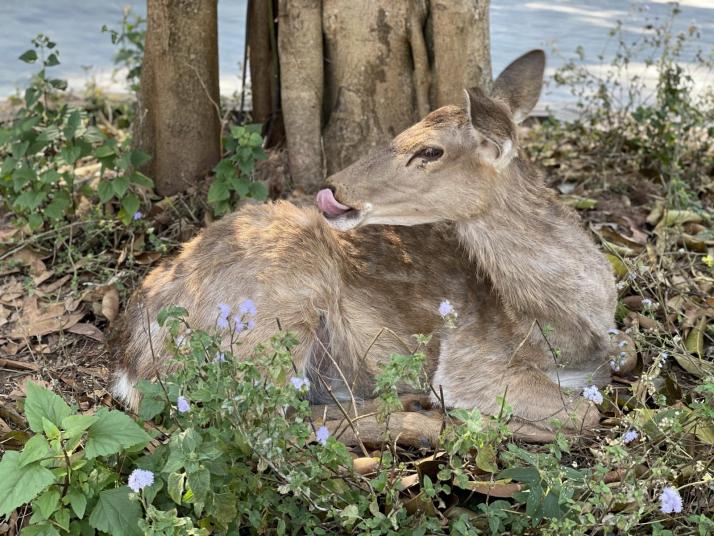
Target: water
516, 26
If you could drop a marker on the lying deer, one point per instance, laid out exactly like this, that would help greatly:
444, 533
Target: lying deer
450, 210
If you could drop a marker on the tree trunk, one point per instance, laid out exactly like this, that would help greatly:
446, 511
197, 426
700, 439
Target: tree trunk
354, 73
178, 118
301, 87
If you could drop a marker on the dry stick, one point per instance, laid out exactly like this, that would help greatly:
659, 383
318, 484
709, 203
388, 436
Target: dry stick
35, 238
344, 413
339, 371
158, 375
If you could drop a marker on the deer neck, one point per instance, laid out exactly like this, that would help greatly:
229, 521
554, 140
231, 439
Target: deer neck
538, 258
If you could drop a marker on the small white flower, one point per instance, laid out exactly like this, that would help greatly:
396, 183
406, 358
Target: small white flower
593, 394
139, 479
446, 309
613, 331
647, 303
629, 436
299, 383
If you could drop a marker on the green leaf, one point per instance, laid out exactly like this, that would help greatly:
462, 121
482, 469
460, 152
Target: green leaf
30, 199
218, 192
130, 204
57, 207
50, 176
486, 459
21, 484
175, 486
139, 158
35, 221
29, 56
200, 482
105, 191
73, 122
78, 502
70, 154
120, 186
47, 503
258, 190
153, 400
76, 424
113, 432
164, 314
115, 514
52, 60
35, 449
141, 180
42, 403
62, 518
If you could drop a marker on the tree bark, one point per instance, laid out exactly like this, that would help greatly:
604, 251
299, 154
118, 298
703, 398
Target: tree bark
178, 119
263, 81
354, 73
301, 87
461, 48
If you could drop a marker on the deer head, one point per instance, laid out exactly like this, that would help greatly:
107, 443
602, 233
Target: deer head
447, 166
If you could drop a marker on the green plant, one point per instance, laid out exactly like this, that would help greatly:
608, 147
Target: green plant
45, 142
130, 40
69, 470
232, 181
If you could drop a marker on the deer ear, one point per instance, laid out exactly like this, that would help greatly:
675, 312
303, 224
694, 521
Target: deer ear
466, 104
520, 83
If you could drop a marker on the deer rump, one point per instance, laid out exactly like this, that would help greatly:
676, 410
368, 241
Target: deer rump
353, 298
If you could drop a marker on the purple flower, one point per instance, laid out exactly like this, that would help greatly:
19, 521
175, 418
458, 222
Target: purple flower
671, 500
445, 308
299, 383
225, 310
137, 215
629, 436
251, 324
647, 303
182, 404
220, 357
322, 434
247, 308
613, 331
139, 479
593, 394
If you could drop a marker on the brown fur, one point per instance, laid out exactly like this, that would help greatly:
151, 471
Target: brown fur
476, 226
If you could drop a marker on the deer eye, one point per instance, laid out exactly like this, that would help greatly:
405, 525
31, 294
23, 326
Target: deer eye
427, 154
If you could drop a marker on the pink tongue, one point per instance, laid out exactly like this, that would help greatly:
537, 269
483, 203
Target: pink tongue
327, 203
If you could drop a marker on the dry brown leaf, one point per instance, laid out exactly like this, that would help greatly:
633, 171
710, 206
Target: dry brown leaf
494, 489
110, 304
44, 276
36, 321
88, 330
54, 286
147, 257
29, 258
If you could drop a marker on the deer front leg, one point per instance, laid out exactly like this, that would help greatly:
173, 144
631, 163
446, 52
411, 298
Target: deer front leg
476, 371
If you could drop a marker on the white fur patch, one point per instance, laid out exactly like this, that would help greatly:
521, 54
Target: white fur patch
572, 379
123, 388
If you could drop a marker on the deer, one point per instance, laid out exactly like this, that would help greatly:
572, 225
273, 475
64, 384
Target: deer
451, 209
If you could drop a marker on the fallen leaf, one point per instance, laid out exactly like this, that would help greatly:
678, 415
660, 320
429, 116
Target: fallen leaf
110, 304
694, 365
695, 339
54, 286
147, 257
580, 203
29, 258
617, 265
36, 321
679, 217
88, 330
497, 488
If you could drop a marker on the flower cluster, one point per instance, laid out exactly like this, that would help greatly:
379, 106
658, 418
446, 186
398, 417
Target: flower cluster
322, 434
139, 479
300, 383
593, 394
242, 321
629, 436
671, 501
182, 404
